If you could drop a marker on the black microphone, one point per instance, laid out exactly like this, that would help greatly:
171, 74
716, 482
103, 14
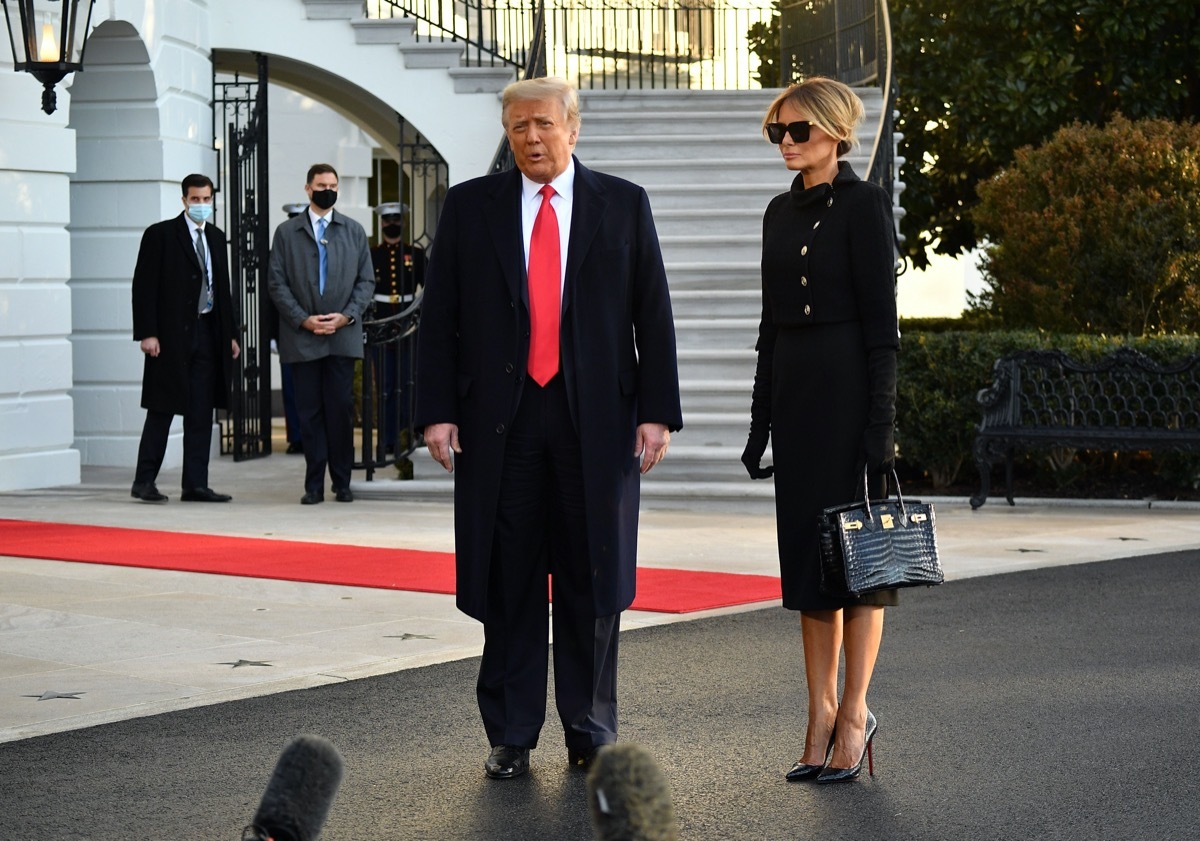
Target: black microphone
299, 793
629, 797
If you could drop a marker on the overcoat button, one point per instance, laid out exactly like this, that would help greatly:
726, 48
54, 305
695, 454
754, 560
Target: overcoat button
803, 251
804, 281
807, 309
508, 368
499, 429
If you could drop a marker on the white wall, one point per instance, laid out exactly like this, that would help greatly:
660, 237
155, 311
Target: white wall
36, 154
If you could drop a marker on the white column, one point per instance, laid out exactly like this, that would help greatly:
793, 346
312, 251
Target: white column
35, 302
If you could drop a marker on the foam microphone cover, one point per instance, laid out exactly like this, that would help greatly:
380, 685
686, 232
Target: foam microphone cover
300, 791
629, 797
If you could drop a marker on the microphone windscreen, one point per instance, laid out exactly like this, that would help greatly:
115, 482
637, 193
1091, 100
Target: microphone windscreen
300, 791
629, 797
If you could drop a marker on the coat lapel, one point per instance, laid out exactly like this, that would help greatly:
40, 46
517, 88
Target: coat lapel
184, 230
502, 211
586, 215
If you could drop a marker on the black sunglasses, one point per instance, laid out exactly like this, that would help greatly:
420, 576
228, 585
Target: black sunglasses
798, 130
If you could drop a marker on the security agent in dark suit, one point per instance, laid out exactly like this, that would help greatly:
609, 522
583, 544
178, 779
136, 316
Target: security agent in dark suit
321, 282
548, 440
183, 321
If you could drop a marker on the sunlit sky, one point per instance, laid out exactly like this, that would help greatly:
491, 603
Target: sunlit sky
939, 291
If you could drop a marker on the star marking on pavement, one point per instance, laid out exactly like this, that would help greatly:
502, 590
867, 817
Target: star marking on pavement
240, 663
51, 695
408, 637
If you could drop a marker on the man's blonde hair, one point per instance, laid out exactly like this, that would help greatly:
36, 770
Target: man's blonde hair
539, 89
832, 106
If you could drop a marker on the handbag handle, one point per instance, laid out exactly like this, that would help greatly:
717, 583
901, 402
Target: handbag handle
899, 496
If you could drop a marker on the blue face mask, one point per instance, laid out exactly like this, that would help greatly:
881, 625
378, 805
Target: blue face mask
200, 213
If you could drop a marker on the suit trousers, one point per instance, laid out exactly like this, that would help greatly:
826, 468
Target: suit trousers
197, 418
541, 529
325, 408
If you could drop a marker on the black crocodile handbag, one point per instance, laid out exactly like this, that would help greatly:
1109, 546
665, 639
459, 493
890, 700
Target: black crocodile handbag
881, 545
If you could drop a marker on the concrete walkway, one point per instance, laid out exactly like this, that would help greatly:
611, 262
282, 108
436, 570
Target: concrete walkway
85, 644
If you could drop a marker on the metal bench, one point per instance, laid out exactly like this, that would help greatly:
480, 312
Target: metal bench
1125, 402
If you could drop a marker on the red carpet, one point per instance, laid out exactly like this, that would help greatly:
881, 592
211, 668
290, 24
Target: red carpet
659, 590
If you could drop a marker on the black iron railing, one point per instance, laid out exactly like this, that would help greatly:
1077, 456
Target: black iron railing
605, 44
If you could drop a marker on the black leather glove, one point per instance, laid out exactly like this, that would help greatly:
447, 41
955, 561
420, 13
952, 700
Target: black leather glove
878, 443
880, 448
756, 445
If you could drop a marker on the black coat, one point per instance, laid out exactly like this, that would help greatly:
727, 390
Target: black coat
618, 360
825, 385
167, 283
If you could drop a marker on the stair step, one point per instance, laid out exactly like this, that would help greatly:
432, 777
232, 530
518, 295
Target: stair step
716, 332
717, 303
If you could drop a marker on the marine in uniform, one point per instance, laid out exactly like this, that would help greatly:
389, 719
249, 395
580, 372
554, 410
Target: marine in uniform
399, 277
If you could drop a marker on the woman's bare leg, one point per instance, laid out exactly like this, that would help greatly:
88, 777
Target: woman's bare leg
822, 633
862, 632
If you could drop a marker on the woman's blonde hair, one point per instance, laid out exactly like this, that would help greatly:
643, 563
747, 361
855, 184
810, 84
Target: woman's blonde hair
831, 105
539, 89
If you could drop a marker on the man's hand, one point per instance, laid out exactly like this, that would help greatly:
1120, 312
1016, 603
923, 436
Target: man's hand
237, 351
441, 439
325, 325
149, 346
651, 444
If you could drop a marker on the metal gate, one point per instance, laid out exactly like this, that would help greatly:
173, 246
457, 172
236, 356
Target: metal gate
240, 129
418, 179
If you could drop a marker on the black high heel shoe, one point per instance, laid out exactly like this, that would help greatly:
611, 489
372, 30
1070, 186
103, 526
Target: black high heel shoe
803, 771
845, 775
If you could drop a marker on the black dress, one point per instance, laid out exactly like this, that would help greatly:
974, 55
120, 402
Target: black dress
825, 381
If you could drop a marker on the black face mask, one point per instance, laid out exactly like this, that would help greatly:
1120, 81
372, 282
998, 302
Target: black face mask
393, 231
324, 199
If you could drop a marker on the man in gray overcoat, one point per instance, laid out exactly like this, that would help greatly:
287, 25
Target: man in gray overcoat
321, 281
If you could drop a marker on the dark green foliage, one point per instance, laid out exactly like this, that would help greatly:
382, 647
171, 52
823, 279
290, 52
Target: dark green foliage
763, 40
978, 80
1097, 230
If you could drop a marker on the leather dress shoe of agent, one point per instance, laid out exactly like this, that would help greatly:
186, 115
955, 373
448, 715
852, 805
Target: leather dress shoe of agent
845, 775
147, 493
312, 498
343, 495
294, 447
582, 758
506, 762
204, 495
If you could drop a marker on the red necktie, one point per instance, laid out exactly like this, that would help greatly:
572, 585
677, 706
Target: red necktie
545, 291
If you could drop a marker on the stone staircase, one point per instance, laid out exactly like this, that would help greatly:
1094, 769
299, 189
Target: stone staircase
709, 173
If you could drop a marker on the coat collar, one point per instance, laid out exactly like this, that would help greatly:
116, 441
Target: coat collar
503, 215
803, 196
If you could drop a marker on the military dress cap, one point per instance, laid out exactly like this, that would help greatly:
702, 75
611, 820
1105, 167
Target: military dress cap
295, 209
392, 208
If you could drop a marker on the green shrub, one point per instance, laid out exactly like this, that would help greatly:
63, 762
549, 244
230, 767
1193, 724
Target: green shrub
941, 373
1097, 230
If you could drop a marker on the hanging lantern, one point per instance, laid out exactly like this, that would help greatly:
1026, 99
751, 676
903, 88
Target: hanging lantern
50, 38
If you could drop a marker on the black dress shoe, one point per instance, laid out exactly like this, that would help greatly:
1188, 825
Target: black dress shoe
312, 498
343, 495
147, 493
294, 447
582, 758
506, 762
204, 495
